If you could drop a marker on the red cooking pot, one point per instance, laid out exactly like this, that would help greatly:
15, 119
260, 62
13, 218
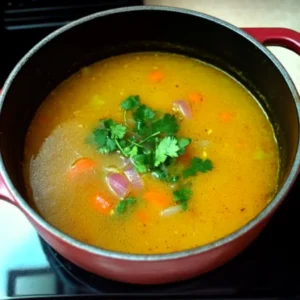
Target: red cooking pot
150, 29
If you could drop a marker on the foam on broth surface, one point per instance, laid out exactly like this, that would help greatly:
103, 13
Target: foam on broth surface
242, 147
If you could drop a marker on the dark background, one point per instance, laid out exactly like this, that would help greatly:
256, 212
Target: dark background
26, 22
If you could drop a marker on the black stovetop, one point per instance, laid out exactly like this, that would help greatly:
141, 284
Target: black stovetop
26, 22
269, 268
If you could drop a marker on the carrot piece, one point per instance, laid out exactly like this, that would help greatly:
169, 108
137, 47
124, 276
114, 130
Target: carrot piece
158, 199
142, 216
226, 116
195, 97
81, 165
103, 205
156, 76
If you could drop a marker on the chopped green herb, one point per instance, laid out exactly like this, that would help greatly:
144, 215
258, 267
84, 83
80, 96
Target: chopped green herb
198, 165
131, 151
163, 175
106, 135
107, 123
142, 129
149, 137
167, 147
140, 162
110, 146
99, 137
167, 124
152, 146
183, 143
123, 143
130, 102
123, 205
117, 131
182, 196
143, 114
120, 147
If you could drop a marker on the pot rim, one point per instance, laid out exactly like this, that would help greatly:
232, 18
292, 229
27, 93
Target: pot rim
153, 257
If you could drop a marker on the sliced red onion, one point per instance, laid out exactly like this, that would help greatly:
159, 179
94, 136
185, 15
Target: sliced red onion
184, 108
119, 184
133, 177
171, 211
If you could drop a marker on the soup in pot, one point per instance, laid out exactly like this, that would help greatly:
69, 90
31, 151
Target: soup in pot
150, 153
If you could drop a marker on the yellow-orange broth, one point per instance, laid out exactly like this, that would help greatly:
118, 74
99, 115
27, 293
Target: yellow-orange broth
228, 126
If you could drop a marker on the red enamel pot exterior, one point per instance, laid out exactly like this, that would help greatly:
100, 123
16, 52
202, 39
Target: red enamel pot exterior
69, 48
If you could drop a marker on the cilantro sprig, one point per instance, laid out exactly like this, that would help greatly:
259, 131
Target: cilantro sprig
182, 196
167, 147
167, 125
198, 165
125, 204
152, 145
130, 102
107, 135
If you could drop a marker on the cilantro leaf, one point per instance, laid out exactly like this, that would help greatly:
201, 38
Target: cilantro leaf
110, 145
142, 129
130, 102
198, 165
167, 124
143, 114
123, 143
160, 174
140, 162
123, 205
131, 151
99, 137
163, 175
106, 135
152, 146
140, 168
183, 143
117, 131
107, 123
182, 196
167, 147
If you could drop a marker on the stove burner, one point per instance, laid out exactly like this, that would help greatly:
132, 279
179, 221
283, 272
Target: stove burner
68, 271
